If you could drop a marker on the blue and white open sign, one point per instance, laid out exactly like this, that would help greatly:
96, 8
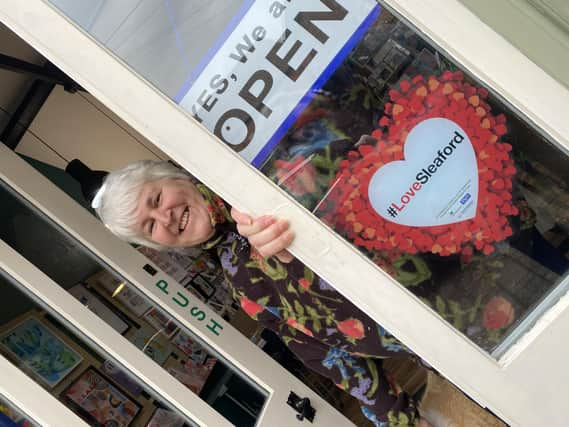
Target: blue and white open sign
274, 56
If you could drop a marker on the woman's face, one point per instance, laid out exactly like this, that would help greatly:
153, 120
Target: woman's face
172, 212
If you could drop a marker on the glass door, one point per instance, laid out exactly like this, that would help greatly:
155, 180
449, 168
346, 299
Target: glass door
458, 226
141, 321
472, 263
65, 364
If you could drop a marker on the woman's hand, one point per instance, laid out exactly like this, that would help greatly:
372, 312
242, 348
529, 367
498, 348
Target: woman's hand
268, 235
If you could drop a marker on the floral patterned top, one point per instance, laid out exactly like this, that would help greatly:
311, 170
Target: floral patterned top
327, 332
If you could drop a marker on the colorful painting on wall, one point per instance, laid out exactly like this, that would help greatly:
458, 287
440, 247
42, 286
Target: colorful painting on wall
41, 351
154, 344
99, 402
191, 374
165, 418
190, 347
121, 377
96, 305
161, 322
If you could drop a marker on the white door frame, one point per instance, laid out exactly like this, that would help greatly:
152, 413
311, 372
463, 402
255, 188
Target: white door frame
506, 387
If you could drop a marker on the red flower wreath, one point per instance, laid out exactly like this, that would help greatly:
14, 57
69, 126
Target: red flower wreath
450, 97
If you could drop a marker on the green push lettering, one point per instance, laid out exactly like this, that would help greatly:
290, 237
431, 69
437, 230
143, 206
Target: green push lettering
197, 313
163, 286
185, 301
213, 326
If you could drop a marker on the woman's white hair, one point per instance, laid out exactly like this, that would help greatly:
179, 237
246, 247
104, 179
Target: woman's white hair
117, 200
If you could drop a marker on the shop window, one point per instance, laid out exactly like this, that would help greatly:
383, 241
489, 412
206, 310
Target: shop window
383, 137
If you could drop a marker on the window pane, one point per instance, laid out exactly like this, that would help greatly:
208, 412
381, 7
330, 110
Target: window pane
399, 149
130, 313
81, 376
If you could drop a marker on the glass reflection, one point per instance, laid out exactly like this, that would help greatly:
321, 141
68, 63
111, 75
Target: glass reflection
377, 132
434, 179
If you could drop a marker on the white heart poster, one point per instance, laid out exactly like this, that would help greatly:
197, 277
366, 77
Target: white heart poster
436, 184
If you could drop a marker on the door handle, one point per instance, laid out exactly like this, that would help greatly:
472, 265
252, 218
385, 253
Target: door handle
302, 406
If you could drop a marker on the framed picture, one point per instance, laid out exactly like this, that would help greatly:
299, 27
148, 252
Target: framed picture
134, 301
194, 292
173, 264
157, 346
165, 418
190, 347
121, 377
126, 295
210, 275
160, 321
191, 374
203, 286
39, 350
216, 306
99, 402
94, 304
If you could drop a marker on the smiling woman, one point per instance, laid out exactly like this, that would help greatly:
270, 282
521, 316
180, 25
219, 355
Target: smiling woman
156, 204
172, 212
130, 203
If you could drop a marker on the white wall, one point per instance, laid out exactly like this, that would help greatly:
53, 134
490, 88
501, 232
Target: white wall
78, 126
13, 85
69, 125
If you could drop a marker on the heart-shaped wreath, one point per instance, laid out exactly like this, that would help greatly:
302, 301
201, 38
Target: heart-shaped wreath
349, 210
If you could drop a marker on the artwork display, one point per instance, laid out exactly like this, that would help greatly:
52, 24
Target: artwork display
174, 265
99, 402
204, 287
121, 377
191, 374
165, 418
94, 304
6, 421
195, 292
40, 351
161, 321
190, 347
211, 276
155, 345
127, 296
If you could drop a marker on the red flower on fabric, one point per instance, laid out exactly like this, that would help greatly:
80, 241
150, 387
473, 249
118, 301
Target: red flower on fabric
498, 313
352, 328
298, 175
292, 322
450, 97
251, 307
304, 283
